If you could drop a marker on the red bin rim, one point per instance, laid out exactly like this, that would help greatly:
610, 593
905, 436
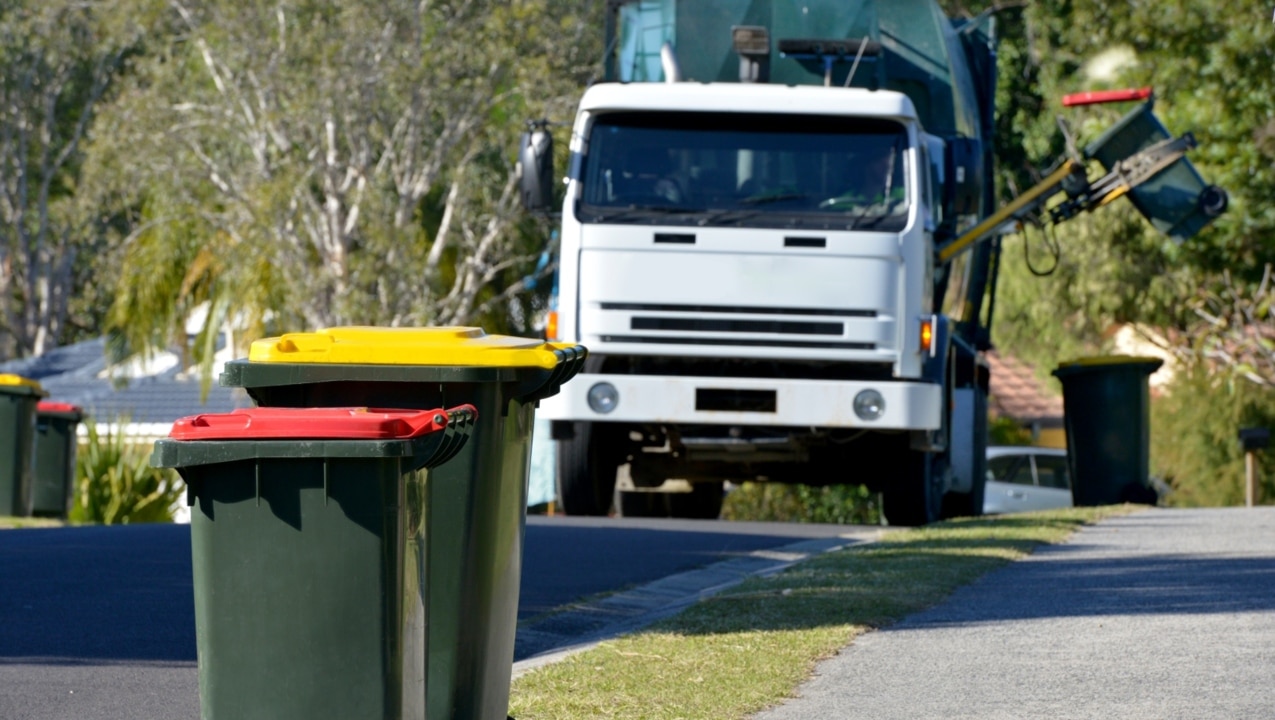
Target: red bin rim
50, 406
344, 423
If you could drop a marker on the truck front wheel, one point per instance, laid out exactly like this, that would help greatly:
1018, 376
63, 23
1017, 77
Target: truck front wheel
587, 464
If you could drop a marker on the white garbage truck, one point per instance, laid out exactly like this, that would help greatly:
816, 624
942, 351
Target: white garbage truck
762, 246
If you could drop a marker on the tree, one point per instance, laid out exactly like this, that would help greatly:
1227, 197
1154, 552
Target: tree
305, 164
58, 60
1209, 67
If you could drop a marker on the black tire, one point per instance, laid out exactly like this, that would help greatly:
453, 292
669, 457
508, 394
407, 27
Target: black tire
915, 496
703, 502
640, 504
970, 504
587, 464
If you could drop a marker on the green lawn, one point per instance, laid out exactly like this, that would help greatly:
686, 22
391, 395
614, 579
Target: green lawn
750, 647
8, 523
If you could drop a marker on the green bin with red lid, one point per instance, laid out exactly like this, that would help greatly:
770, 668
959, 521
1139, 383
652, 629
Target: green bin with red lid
309, 547
53, 485
479, 500
18, 399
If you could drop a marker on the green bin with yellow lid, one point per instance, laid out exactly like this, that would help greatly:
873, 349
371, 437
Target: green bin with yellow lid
1106, 413
475, 504
19, 397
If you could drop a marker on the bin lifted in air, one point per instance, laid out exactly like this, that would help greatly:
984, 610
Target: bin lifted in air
1142, 161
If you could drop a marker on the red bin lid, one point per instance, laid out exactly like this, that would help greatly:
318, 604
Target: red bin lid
48, 406
348, 423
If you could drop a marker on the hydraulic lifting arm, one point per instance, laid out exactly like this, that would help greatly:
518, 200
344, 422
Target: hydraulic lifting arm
1136, 151
1083, 195
1143, 162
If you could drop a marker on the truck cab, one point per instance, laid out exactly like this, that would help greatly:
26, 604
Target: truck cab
751, 269
751, 260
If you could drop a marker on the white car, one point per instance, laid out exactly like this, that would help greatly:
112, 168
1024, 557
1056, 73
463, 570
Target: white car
1023, 478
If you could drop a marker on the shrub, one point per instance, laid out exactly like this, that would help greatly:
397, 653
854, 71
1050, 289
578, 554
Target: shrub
1002, 430
1194, 437
115, 484
842, 504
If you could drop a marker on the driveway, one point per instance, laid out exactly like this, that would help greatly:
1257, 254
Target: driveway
1160, 614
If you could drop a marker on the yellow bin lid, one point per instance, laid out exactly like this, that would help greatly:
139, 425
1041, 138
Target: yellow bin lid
456, 346
1110, 360
18, 380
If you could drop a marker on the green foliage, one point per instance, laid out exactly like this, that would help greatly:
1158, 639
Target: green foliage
840, 504
115, 484
58, 63
295, 164
1194, 438
1005, 431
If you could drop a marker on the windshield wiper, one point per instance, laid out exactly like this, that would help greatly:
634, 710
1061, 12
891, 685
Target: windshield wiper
767, 199
634, 212
725, 217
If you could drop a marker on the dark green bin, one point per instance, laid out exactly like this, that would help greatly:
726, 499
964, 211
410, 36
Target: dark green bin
1176, 200
477, 502
310, 570
53, 488
1106, 409
18, 399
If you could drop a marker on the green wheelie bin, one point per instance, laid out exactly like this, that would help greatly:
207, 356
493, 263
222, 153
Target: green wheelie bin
53, 487
476, 503
18, 399
1106, 413
309, 557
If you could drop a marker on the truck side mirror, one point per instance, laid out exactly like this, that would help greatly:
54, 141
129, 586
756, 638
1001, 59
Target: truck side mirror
964, 175
535, 169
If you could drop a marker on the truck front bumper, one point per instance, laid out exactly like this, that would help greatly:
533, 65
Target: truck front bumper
748, 401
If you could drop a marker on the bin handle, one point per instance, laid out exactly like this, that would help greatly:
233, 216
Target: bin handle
570, 361
443, 447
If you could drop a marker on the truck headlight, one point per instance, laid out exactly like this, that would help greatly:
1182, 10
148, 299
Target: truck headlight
603, 397
868, 405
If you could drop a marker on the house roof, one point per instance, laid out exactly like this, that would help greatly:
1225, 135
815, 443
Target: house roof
78, 374
1017, 393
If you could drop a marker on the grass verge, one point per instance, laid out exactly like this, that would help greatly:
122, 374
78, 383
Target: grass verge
10, 523
750, 647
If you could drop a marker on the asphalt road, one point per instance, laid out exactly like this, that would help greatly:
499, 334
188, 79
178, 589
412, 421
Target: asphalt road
98, 622
1158, 615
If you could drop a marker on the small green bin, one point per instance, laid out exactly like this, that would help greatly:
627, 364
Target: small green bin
1106, 410
477, 502
53, 488
308, 546
18, 399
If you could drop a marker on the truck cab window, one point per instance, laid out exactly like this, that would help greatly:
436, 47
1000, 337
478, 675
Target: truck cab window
747, 169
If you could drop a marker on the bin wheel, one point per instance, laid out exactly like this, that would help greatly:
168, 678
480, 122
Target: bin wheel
915, 496
587, 464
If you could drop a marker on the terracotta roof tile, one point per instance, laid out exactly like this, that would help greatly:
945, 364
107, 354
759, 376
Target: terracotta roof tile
1017, 393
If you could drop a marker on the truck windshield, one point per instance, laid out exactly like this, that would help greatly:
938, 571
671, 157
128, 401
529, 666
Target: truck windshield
757, 170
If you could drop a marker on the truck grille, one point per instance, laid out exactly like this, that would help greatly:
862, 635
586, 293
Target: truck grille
780, 327
741, 342
723, 326
731, 309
